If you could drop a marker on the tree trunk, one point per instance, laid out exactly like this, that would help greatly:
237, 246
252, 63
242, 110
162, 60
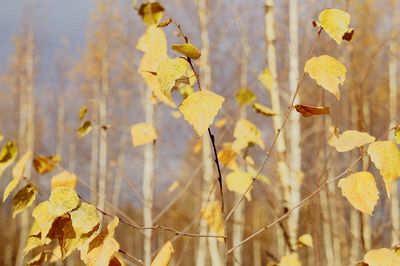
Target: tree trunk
94, 153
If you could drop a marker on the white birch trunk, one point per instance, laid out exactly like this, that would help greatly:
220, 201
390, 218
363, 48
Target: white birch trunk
94, 153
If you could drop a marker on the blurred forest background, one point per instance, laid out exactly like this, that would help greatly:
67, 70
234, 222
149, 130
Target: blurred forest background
57, 56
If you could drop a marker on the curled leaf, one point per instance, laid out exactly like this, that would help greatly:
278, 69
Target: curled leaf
44, 164
308, 110
84, 129
262, 109
7, 155
187, 49
151, 12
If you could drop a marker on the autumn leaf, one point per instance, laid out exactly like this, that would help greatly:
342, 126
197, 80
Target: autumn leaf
173, 186
84, 129
220, 123
380, 257
34, 242
23, 199
100, 249
238, 181
213, 215
227, 156
164, 23
84, 218
360, 190
397, 135
7, 155
335, 22
82, 112
187, 49
143, 133
43, 218
328, 72
18, 173
266, 78
170, 70
246, 133
45, 164
386, 157
245, 96
62, 200
308, 110
200, 108
350, 139
306, 240
151, 13
164, 256
64, 179
262, 109
291, 259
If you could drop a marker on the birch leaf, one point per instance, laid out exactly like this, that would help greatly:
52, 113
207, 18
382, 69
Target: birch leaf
34, 242
227, 157
82, 112
164, 256
164, 23
308, 110
213, 215
397, 135
262, 109
43, 218
62, 200
360, 190
386, 157
7, 155
18, 173
84, 219
306, 240
173, 186
143, 133
291, 259
220, 123
328, 72
64, 179
380, 257
238, 181
84, 129
153, 44
246, 133
169, 70
187, 49
100, 249
245, 96
350, 139
266, 78
335, 22
23, 199
151, 13
200, 108
45, 164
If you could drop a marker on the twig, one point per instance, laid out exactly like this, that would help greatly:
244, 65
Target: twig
267, 156
312, 194
138, 261
154, 227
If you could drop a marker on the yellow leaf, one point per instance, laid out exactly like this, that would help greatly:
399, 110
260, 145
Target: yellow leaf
328, 72
238, 181
44, 164
164, 256
259, 108
397, 135
197, 147
291, 259
266, 78
43, 218
64, 179
82, 112
151, 13
164, 23
380, 257
23, 199
350, 139
170, 70
34, 242
227, 156
154, 84
7, 155
245, 96
386, 157
62, 200
84, 129
246, 133
200, 108
335, 22
18, 173
84, 219
153, 44
187, 49
361, 191
100, 249
213, 215
173, 186
260, 177
143, 133
306, 240
37, 260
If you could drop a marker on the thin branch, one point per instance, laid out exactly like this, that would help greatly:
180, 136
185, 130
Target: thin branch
311, 195
267, 156
136, 260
